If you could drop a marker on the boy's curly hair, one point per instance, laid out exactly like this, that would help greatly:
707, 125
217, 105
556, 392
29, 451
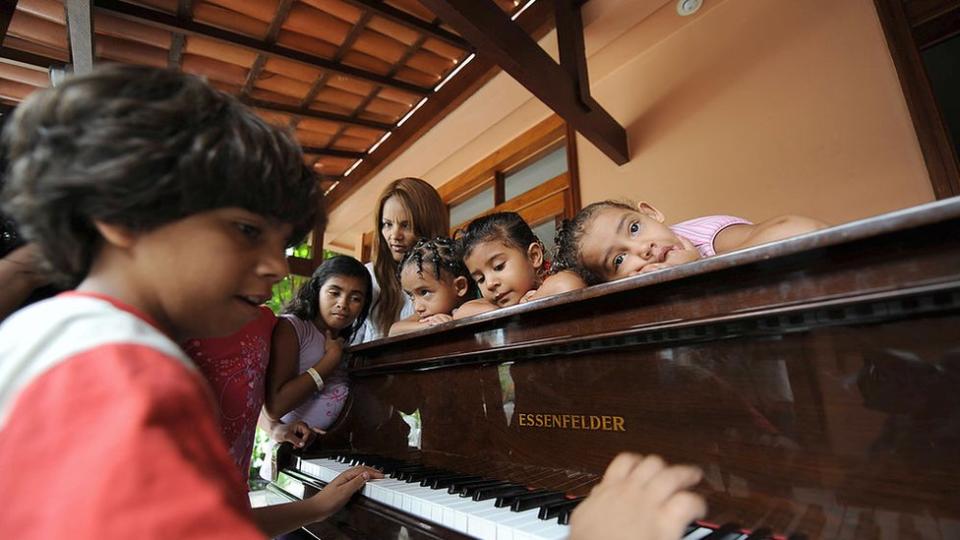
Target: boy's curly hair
142, 147
570, 235
443, 254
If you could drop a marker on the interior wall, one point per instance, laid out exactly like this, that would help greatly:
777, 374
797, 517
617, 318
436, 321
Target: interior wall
749, 107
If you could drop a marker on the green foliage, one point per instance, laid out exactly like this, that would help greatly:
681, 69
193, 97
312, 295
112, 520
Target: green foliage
284, 290
303, 251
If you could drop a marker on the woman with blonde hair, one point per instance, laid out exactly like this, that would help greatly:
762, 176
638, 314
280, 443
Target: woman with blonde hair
408, 209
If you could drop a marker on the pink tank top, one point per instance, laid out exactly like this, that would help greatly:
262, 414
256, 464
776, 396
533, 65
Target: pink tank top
702, 231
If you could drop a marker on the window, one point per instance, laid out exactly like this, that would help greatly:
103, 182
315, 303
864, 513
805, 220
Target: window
534, 175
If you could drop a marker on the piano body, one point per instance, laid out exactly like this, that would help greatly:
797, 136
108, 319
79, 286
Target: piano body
815, 380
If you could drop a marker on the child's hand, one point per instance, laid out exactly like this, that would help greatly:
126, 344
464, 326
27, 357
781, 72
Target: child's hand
336, 494
528, 296
640, 498
653, 267
438, 318
299, 434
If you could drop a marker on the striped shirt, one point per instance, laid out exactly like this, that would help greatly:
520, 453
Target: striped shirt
108, 431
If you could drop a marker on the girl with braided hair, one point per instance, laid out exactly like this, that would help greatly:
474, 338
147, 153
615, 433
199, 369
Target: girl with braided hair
435, 279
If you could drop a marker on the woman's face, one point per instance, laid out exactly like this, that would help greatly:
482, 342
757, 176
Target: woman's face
396, 226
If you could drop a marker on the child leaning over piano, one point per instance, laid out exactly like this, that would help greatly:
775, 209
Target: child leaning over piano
609, 240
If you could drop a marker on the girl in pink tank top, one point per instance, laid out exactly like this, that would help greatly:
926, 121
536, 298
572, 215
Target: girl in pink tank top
306, 379
609, 240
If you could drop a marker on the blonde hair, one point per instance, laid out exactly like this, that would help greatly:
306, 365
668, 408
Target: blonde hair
429, 217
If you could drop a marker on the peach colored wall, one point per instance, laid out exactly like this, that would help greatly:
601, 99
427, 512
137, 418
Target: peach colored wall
749, 107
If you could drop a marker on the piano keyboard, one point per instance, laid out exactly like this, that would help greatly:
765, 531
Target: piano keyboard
478, 507
480, 519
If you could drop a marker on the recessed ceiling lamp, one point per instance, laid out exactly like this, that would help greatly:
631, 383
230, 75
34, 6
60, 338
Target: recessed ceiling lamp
688, 7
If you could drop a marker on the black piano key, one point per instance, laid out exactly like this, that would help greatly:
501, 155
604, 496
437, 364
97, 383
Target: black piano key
522, 503
763, 533
483, 494
505, 501
798, 536
418, 476
400, 472
468, 491
563, 517
457, 487
727, 531
435, 473
552, 510
444, 482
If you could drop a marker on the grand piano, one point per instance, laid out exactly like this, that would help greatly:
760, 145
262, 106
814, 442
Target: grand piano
815, 380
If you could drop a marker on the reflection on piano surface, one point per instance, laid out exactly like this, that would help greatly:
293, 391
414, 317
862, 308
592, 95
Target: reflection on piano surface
816, 381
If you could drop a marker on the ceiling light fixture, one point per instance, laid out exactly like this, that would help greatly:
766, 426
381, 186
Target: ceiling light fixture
688, 7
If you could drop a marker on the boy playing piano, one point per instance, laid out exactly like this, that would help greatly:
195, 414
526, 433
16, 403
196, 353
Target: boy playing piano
170, 205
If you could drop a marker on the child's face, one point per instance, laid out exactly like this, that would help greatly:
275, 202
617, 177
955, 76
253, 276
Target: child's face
396, 226
204, 275
432, 296
504, 273
618, 243
341, 299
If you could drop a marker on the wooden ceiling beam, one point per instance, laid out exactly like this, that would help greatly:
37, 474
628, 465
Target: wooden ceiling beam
179, 41
332, 152
414, 23
177, 44
496, 37
7, 9
320, 115
185, 9
279, 17
159, 19
80, 31
29, 59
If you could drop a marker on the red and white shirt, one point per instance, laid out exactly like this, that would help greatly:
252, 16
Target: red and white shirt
108, 431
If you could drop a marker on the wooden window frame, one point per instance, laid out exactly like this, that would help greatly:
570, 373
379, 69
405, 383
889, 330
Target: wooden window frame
935, 143
302, 266
558, 196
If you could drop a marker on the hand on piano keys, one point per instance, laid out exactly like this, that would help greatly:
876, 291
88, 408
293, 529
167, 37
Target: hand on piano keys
339, 490
640, 498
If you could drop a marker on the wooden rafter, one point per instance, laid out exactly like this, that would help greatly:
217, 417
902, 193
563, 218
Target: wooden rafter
414, 23
7, 10
320, 115
283, 10
411, 50
179, 41
338, 56
80, 31
332, 152
495, 36
159, 19
28, 58
535, 20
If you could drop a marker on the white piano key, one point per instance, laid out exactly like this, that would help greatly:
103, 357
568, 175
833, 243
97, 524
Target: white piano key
698, 534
